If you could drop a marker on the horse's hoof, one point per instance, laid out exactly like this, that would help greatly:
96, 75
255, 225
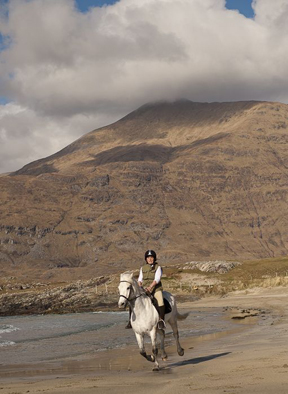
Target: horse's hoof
165, 358
156, 369
181, 352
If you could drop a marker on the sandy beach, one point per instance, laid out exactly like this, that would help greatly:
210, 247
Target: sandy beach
250, 358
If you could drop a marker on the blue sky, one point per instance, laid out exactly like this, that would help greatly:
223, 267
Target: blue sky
243, 6
84, 5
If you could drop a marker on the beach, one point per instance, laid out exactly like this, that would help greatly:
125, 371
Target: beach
250, 356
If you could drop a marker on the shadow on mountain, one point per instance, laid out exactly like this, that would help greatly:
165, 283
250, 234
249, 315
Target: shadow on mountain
145, 152
36, 168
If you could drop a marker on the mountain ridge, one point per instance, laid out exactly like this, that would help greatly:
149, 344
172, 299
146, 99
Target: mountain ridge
191, 180
184, 107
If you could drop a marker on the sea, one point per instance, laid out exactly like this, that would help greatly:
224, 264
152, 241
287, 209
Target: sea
45, 338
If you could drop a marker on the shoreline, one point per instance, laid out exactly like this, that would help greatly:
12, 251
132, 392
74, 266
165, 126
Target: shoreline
251, 357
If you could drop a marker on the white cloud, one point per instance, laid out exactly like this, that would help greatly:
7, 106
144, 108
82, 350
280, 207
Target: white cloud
271, 13
66, 70
26, 136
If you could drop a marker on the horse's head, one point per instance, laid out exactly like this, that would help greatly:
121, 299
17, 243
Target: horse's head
125, 289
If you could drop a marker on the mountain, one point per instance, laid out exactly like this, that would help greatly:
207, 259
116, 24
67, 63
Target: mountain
194, 181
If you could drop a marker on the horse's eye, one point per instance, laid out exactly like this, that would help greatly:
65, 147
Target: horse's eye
129, 287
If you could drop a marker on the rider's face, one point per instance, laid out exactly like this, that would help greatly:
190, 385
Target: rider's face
150, 260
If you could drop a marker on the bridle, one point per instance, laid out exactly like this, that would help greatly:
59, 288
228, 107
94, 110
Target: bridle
128, 299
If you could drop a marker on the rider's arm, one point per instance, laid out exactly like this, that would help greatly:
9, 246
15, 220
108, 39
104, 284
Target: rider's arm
158, 275
157, 278
140, 277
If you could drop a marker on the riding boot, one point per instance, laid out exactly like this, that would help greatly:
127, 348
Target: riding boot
161, 323
128, 325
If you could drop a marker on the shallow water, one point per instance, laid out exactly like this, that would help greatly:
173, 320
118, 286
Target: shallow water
42, 338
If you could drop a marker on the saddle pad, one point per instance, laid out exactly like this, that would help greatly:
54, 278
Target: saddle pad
168, 307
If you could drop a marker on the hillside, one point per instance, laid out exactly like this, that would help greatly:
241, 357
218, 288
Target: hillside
194, 181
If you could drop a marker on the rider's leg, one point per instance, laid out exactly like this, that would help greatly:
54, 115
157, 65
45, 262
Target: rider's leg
159, 296
128, 325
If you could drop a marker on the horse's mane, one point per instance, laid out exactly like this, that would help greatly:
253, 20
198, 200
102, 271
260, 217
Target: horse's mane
128, 277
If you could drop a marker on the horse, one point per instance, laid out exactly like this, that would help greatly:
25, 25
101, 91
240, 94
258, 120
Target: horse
144, 317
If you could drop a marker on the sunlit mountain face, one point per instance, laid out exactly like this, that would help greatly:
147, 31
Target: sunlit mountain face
190, 180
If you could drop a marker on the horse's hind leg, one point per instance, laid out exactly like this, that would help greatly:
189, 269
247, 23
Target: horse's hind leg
162, 346
173, 324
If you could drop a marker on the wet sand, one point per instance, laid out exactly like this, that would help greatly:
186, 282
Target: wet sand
252, 357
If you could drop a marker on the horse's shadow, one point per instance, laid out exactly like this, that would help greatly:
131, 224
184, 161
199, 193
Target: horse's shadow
193, 361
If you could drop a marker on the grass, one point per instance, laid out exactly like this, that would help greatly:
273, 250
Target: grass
259, 269
253, 273
250, 274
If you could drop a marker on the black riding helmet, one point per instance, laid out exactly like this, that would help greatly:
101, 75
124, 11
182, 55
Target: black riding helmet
150, 253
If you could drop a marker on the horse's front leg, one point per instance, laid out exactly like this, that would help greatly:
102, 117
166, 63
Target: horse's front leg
153, 336
140, 341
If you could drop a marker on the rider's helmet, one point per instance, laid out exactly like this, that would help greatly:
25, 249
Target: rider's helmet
150, 253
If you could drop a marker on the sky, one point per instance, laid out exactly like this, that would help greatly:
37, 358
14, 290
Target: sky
244, 7
68, 67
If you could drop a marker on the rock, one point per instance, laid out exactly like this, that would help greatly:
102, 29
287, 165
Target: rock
220, 267
75, 297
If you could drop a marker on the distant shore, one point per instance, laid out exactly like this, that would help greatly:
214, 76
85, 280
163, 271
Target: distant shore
251, 358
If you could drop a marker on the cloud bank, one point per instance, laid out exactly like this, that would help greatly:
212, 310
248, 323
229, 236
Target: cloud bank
67, 73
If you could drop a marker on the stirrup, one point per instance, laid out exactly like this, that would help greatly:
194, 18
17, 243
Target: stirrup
161, 324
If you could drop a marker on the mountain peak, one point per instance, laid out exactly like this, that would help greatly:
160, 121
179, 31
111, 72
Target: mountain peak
168, 123
194, 181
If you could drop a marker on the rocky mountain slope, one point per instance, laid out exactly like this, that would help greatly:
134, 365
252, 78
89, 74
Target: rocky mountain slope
194, 181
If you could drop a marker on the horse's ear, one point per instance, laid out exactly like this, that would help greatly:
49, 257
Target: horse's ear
127, 274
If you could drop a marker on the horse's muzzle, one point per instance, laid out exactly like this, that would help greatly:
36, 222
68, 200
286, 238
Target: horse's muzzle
122, 303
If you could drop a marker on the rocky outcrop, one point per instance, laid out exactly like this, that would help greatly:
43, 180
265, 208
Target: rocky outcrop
237, 313
80, 296
220, 267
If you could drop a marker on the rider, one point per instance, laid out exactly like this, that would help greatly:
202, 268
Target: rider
150, 278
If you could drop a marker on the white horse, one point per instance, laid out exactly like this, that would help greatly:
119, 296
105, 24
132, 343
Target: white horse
144, 317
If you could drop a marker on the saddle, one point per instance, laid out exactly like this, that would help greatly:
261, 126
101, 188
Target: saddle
168, 307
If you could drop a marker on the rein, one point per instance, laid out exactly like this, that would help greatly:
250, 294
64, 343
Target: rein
128, 298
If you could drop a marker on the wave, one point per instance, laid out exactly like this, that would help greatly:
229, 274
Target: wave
110, 312
7, 343
4, 328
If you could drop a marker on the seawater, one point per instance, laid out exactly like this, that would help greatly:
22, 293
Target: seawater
40, 338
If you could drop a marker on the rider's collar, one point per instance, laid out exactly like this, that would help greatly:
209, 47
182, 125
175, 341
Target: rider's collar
152, 265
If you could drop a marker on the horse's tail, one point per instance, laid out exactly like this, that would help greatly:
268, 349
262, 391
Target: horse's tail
182, 316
